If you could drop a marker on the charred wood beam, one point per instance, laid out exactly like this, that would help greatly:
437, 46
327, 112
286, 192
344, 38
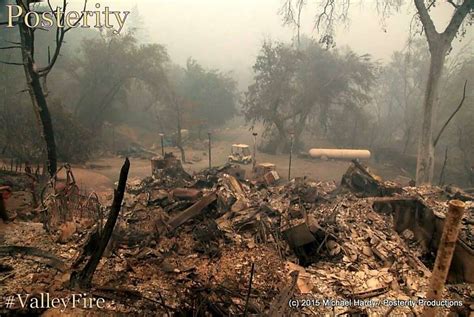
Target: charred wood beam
191, 212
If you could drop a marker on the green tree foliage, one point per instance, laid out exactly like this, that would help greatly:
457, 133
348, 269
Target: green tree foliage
210, 93
108, 68
295, 86
196, 100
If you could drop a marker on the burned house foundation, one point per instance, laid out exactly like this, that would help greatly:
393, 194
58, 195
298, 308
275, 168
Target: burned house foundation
211, 244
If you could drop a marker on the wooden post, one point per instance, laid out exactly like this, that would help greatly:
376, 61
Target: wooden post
254, 161
291, 154
162, 144
210, 160
446, 247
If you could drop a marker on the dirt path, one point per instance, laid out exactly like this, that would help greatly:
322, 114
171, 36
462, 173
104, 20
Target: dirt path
100, 175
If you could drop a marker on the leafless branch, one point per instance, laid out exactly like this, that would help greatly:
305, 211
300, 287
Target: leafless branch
327, 15
425, 19
60, 33
441, 175
287, 11
80, 17
453, 4
464, 9
452, 115
11, 42
9, 47
6, 23
11, 63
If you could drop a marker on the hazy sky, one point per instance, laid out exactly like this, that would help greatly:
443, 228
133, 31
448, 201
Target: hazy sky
227, 34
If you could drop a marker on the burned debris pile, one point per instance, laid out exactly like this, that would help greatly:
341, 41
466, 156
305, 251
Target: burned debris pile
213, 243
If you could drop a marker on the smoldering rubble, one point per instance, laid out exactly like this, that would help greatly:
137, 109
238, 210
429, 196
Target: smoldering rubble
214, 243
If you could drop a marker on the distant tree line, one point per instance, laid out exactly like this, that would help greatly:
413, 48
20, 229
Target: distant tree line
102, 80
319, 94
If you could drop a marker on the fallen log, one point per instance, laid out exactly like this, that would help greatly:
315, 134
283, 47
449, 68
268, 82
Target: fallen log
191, 212
51, 260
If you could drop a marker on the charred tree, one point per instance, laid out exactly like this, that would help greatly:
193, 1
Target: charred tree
38, 98
83, 279
36, 76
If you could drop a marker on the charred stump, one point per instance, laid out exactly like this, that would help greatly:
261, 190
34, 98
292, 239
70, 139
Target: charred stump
83, 278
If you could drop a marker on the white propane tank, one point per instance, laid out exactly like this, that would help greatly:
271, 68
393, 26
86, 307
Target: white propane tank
343, 154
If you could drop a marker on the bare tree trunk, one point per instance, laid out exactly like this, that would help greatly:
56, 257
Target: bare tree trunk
282, 141
425, 161
38, 98
439, 44
299, 128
